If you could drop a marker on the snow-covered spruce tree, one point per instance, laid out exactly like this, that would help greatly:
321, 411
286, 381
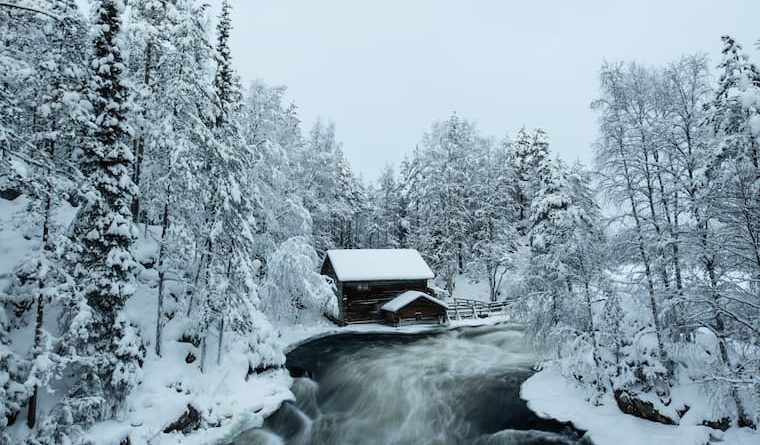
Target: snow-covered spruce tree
385, 227
223, 81
496, 216
227, 280
176, 132
332, 194
527, 154
565, 272
445, 191
585, 257
272, 133
520, 158
149, 40
409, 203
51, 38
317, 170
734, 170
352, 198
107, 345
552, 223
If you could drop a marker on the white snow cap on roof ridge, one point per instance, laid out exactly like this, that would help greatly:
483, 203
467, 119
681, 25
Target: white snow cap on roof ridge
407, 297
379, 264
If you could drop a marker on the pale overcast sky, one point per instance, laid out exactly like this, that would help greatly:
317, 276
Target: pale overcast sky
383, 71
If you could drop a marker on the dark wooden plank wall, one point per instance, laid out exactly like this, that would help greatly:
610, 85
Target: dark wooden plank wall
364, 305
422, 306
420, 309
327, 269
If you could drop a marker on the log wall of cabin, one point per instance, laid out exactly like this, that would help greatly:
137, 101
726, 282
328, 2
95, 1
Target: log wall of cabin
422, 306
364, 305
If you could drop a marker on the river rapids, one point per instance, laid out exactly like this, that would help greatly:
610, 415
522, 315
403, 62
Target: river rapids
450, 388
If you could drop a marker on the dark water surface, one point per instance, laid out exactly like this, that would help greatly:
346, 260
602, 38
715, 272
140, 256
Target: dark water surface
448, 388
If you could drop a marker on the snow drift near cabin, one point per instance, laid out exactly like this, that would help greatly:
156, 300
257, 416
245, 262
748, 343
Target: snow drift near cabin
379, 264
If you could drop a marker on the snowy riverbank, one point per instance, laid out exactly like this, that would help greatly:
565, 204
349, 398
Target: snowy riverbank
235, 404
549, 395
292, 337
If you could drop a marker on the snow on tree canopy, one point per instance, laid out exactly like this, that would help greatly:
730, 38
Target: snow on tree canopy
379, 264
407, 297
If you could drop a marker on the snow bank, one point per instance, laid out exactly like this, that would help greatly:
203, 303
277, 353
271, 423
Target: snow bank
550, 396
228, 403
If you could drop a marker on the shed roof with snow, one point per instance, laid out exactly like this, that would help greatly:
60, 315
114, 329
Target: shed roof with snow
408, 297
378, 264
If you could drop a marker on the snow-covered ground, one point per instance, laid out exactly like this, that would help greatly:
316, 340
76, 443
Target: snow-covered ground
477, 289
466, 287
550, 395
226, 399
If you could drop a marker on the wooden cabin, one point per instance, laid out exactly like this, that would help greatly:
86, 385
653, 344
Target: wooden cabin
374, 285
414, 307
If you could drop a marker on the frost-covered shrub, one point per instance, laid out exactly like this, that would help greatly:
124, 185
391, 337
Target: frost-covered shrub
293, 287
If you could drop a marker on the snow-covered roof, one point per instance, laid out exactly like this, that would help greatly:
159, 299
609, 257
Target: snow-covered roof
379, 264
407, 297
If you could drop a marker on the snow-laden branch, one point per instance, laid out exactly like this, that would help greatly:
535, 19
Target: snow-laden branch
32, 10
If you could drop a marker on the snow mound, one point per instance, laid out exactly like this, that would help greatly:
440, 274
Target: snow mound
549, 396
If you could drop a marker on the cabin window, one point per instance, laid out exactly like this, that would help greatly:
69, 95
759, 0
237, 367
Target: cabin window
363, 286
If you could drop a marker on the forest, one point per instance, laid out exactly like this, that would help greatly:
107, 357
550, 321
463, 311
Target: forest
163, 223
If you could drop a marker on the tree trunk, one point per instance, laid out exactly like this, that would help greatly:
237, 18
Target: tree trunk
594, 341
140, 142
31, 417
644, 258
555, 317
460, 257
491, 270
655, 218
161, 273
675, 318
202, 362
221, 342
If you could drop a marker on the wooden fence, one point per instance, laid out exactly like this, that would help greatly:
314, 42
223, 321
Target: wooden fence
463, 308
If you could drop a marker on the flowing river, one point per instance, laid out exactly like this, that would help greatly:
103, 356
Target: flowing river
448, 388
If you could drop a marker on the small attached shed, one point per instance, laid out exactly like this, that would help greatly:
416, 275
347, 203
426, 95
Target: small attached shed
414, 306
367, 279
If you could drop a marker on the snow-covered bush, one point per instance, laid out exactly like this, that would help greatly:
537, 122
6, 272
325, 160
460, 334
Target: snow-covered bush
293, 287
